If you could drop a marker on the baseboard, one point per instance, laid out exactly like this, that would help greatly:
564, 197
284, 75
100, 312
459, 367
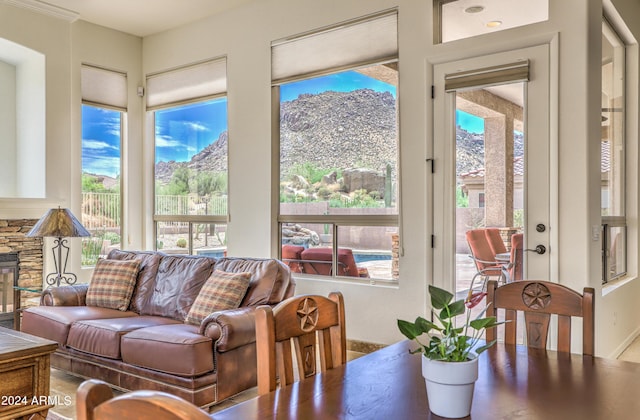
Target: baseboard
626, 343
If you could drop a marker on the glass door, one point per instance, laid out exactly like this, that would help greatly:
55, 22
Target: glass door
491, 133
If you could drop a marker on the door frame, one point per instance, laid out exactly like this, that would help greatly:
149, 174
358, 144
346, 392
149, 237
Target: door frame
540, 96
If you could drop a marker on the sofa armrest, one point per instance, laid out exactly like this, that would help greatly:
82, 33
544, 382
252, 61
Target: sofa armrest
73, 295
230, 329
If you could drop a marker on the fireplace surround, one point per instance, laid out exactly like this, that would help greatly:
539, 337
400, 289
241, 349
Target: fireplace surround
28, 252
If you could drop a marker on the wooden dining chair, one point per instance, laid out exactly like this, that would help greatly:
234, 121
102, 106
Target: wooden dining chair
95, 401
316, 326
538, 300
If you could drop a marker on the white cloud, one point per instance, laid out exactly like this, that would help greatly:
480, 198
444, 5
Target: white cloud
96, 144
165, 141
195, 126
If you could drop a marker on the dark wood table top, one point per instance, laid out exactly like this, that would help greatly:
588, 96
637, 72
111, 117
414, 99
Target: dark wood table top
15, 343
514, 383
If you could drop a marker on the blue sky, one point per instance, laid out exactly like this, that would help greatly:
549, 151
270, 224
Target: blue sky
469, 122
100, 141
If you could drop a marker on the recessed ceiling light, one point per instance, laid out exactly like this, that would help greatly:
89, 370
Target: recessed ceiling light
494, 24
474, 9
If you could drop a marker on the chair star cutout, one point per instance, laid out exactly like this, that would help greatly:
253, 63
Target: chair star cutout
536, 296
308, 314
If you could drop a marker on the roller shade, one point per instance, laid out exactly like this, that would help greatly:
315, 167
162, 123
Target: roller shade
488, 76
356, 43
104, 88
186, 84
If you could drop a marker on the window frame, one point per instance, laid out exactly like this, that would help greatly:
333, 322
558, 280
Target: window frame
617, 221
194, 219
337, 221
106, 89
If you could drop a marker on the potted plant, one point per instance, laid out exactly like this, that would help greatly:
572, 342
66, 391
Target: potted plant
450, 358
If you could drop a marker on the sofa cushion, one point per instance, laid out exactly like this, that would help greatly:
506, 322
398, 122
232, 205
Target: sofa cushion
175, 349
270, 279
54, 322
112, 284
149, 262
179, 280
101, 337
221, 291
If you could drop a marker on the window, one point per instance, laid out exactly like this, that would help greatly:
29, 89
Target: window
338, 148
459, 19
190, 117
612, 146
104, 106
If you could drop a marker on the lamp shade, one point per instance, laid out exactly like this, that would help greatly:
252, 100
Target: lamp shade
59, 223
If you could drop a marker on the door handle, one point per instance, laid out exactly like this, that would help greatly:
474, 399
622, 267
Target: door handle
540, 249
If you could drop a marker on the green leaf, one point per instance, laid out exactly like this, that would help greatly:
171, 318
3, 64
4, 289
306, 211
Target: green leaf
488, 322
425, 326
457, 308
486, 346
439, 297
408, 329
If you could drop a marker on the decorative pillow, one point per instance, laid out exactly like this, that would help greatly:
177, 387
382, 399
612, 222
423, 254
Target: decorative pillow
221, 291
112, 283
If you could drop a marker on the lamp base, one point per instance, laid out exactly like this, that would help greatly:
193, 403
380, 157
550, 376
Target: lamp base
60, 275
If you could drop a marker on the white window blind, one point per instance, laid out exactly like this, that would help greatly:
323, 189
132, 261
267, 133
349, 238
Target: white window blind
104, 88
186, 84
369, 40
488, 76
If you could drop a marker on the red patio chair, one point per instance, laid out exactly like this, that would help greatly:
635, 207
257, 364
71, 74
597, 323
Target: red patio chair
485, 259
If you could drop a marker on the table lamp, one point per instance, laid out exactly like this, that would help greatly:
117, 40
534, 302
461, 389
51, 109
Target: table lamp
59, 223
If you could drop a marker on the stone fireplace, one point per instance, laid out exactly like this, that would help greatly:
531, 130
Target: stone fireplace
29, 252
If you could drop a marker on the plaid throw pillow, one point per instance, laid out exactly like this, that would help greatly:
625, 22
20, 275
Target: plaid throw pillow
112, 283
221, 291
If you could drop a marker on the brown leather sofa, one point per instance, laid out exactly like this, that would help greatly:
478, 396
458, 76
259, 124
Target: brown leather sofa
150, 346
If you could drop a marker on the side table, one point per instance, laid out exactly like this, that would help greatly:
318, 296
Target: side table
24, 375
17, 299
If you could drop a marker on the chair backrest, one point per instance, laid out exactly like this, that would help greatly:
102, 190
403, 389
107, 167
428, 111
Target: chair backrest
495, 241
319, 261
316, 326
516, 259
481, 251
95, 401
539, 299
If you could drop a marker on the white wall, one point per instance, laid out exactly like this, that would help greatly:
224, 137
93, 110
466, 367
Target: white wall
244, 36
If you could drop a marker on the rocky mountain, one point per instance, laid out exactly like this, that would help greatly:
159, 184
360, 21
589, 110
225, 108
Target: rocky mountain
357, 128
470, 150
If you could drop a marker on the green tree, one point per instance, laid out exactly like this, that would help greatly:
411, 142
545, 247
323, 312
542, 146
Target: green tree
179, 184
92, 184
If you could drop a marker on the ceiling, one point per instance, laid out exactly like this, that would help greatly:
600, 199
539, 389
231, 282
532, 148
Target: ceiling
136, 17
147, 17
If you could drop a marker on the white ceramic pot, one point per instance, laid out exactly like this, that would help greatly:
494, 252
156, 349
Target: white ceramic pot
450, 386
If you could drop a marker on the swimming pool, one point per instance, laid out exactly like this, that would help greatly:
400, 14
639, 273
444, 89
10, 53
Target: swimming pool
366, 256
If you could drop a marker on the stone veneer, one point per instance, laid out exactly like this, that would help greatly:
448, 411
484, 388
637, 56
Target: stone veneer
30, 258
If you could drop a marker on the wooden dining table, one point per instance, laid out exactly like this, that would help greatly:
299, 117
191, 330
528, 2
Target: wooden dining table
515, 382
